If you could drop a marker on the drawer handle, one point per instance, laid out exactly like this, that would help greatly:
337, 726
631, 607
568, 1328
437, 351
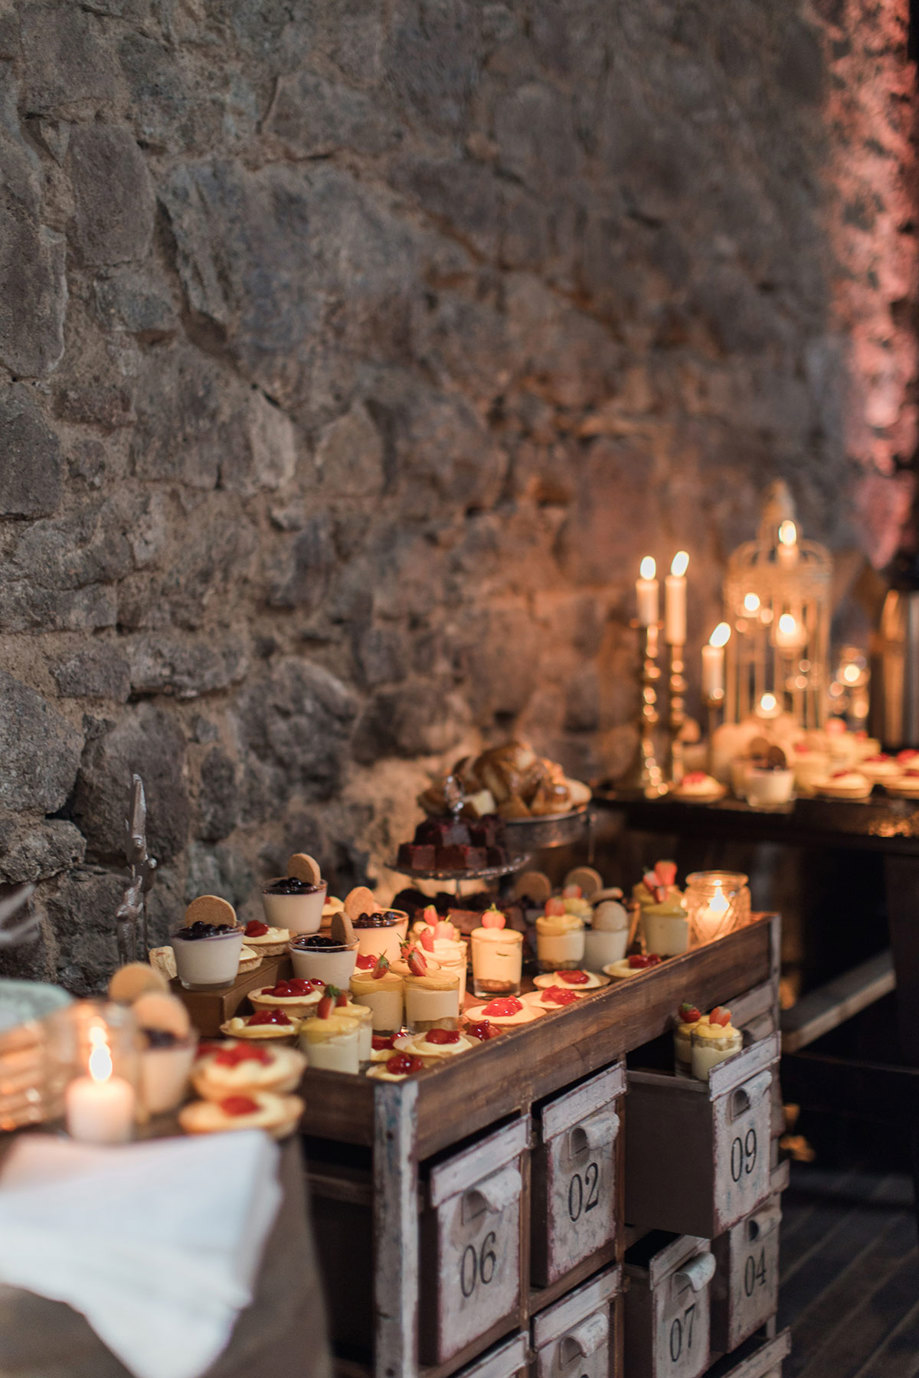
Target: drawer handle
697, 1273
597, 1132
743, 1098
763, 1223
495, 1194
584, 1340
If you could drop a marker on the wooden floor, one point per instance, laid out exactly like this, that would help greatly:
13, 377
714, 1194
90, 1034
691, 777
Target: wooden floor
849, 1275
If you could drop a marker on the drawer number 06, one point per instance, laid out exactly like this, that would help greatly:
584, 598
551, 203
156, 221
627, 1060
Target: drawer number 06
478, 1265
743, 1155
583, 1192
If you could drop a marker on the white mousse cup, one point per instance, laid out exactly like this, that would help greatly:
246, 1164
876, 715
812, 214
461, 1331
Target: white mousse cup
327, 961
379, 939
298, 913
602, 947
203, 963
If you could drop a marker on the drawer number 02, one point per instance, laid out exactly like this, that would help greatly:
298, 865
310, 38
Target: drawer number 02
478, 1265
680, 1328
754, 1274
743, 1155
578, 1202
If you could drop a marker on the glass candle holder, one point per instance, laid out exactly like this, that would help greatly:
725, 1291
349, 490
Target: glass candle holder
716, 902
93, 1069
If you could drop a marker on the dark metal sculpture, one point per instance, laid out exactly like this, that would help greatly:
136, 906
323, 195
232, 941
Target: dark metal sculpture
15, 931
131, 917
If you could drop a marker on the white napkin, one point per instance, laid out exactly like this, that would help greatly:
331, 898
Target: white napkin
156, 1244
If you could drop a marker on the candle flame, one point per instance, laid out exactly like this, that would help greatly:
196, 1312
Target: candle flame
719, 903
768, 703
721, 635
851, 674
788, 627
751, 602
680, 564
788, 533
647, 568
100, 1059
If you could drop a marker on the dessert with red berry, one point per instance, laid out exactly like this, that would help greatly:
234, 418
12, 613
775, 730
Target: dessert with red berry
331, 1040
504, 1010
571, 978
297, 995
227, 1068
265, 1025
375, 985
714, 1042
399, 1066
441, 1043
279, 1115
687, 1017
497, 956
637, 964
268, 941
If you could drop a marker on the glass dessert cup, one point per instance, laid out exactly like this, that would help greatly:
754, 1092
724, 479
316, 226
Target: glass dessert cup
165, 1069
432, 1001
559, 942
712, 1044
208, 962
603, 946
382, 996
319, 958
379, 934
300, 912
665, 928
497, 962
331, 1044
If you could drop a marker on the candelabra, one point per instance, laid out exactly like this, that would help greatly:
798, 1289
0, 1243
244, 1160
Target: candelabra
645, 773
714, 702
677, 713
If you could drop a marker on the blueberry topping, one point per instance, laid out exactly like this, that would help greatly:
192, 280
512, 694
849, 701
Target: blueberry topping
200, 929
387, 918
289, 885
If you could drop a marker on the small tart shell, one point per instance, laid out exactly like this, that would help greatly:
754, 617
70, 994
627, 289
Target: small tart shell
476, 1014
421, 1048
378, 1071
248, 959
281, 1074
401, 1044
837, 789
237, 1027
534, 998
621, 971
279, 1115
554, 978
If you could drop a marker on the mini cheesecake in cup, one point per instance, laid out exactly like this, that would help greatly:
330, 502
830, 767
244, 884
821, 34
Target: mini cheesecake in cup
665, 927
345, 1008
714, 1042
331, 1042
431, 997
688, 1017
380, 990
497, 957
295, 901
208, 945
559, 937
448, 954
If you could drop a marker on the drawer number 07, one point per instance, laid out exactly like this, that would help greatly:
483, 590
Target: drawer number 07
680, 1328
478, 1265
743, 1155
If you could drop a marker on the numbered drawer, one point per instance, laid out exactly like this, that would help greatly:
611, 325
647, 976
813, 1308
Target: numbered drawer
574, 1176
473, 1271
507, 1360
698, 1154
574, 1338
667, 1306
745, 1292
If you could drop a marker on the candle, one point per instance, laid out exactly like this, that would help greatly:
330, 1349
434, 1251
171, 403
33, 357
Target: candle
647, 593
675, 601
787, 549
787, 633
710, 918
767, 708
713, 662
100, 1107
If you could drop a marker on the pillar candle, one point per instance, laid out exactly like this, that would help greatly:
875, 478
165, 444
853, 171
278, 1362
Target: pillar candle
713, 662
647, 591
675, 601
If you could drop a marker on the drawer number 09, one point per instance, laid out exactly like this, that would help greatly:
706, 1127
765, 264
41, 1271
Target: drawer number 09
743, 1155
578, 1203
681, 1328
478, 1265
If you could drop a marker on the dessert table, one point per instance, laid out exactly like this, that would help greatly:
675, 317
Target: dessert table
884, 826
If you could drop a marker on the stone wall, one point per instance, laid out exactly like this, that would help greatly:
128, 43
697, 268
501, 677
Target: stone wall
352, 355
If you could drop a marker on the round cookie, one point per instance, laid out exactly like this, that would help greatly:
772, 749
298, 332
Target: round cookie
163, 960
533, 885
589, 880
133, 980
210, 909
304, 867
359, 901
154, 1010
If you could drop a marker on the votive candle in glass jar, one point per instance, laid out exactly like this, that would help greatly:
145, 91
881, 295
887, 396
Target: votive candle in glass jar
716, 903
93, 1052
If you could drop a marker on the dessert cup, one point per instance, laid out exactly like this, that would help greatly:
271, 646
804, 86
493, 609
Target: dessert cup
164, 1073
204, 962
602, 946
381, 933
315, 956
453, 956
497, 961
332, 1044
300, 912
682, 1045
665, 928
382, 996
432, 1001
763, 788
711, 1044
559, 941
363, 1018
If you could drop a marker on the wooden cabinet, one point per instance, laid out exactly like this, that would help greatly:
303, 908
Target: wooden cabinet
455, 1181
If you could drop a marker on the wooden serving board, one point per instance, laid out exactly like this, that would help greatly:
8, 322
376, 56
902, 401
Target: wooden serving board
209, 1009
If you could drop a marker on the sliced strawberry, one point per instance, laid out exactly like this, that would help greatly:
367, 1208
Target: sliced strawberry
444, 929
442, 1036
554, 906
380, 967
572, 892
574, 978
325, 1006
689, 1014
239, 1105
503, 1007
256, 929
556, 995
404, 1064
665, 872
341, 999
482, 1030
493, 918
366, 961
427, 939
430, 915
720, 1016
268, 1017
417, 964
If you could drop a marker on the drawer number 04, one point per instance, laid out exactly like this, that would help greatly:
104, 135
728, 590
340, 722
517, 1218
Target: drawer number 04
584, 1192
754, 1273
478, 1265
743, 1155
680, 1329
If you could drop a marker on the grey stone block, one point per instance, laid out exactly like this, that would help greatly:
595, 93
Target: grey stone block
98, 672
113, 221
30, 468
40, 750
35, 849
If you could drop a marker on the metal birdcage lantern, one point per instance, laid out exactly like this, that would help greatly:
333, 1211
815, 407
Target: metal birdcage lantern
777, 603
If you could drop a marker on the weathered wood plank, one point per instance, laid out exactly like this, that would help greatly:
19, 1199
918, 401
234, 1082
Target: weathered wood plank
816, 1013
